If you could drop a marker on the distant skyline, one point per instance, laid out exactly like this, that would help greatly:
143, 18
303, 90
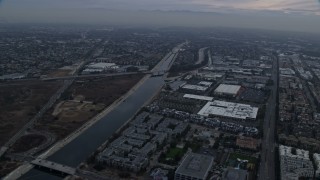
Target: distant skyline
274, 14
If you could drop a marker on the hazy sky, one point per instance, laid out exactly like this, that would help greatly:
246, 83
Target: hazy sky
301, 15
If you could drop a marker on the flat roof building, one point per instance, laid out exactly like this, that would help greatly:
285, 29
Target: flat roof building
235, 174
295, 163
192, 96
195, 87
205, 83
229, 110
101, 65
316, 158
227, 90
194, 166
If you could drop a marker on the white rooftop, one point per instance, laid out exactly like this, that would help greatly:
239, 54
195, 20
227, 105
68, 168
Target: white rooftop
227, 89
229, 109
101, 65
205, 83
300, 154
194, 87
205, 98
316, 158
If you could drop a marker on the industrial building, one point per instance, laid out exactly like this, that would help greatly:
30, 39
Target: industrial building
205, 83
102, 65
198, 97
194, 87
99, 67
194, 166
227, 90
229, 110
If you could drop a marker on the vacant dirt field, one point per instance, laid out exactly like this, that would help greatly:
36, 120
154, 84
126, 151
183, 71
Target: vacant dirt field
20, 101
103, 89
59, 73
7, 166
28, 142
82, 101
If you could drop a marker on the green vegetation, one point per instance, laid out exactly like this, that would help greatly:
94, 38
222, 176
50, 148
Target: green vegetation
194, 145
233, 161
172, 156
235, 156
172, 126
175, 152
270, 82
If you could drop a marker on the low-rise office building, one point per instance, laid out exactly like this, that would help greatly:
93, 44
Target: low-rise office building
194, 166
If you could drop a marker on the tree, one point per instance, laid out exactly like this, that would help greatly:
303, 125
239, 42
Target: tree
132, 69
270, 82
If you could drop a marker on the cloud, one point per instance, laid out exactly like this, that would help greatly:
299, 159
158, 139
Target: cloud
227, 6
272, 14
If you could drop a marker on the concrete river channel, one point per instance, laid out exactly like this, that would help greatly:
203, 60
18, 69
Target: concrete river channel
75, 152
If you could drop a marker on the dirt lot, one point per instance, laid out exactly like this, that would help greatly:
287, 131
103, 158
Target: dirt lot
59, 73
103, 89
28, 142
20, 101
7, 166
84, 99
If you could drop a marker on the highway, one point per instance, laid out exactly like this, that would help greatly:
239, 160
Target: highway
267, 163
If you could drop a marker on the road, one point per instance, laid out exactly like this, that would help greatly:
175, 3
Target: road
267, 165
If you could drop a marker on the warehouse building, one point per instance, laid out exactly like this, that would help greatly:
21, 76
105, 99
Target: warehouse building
229, 110
100, 67
198, 97
194, 88
227, 90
